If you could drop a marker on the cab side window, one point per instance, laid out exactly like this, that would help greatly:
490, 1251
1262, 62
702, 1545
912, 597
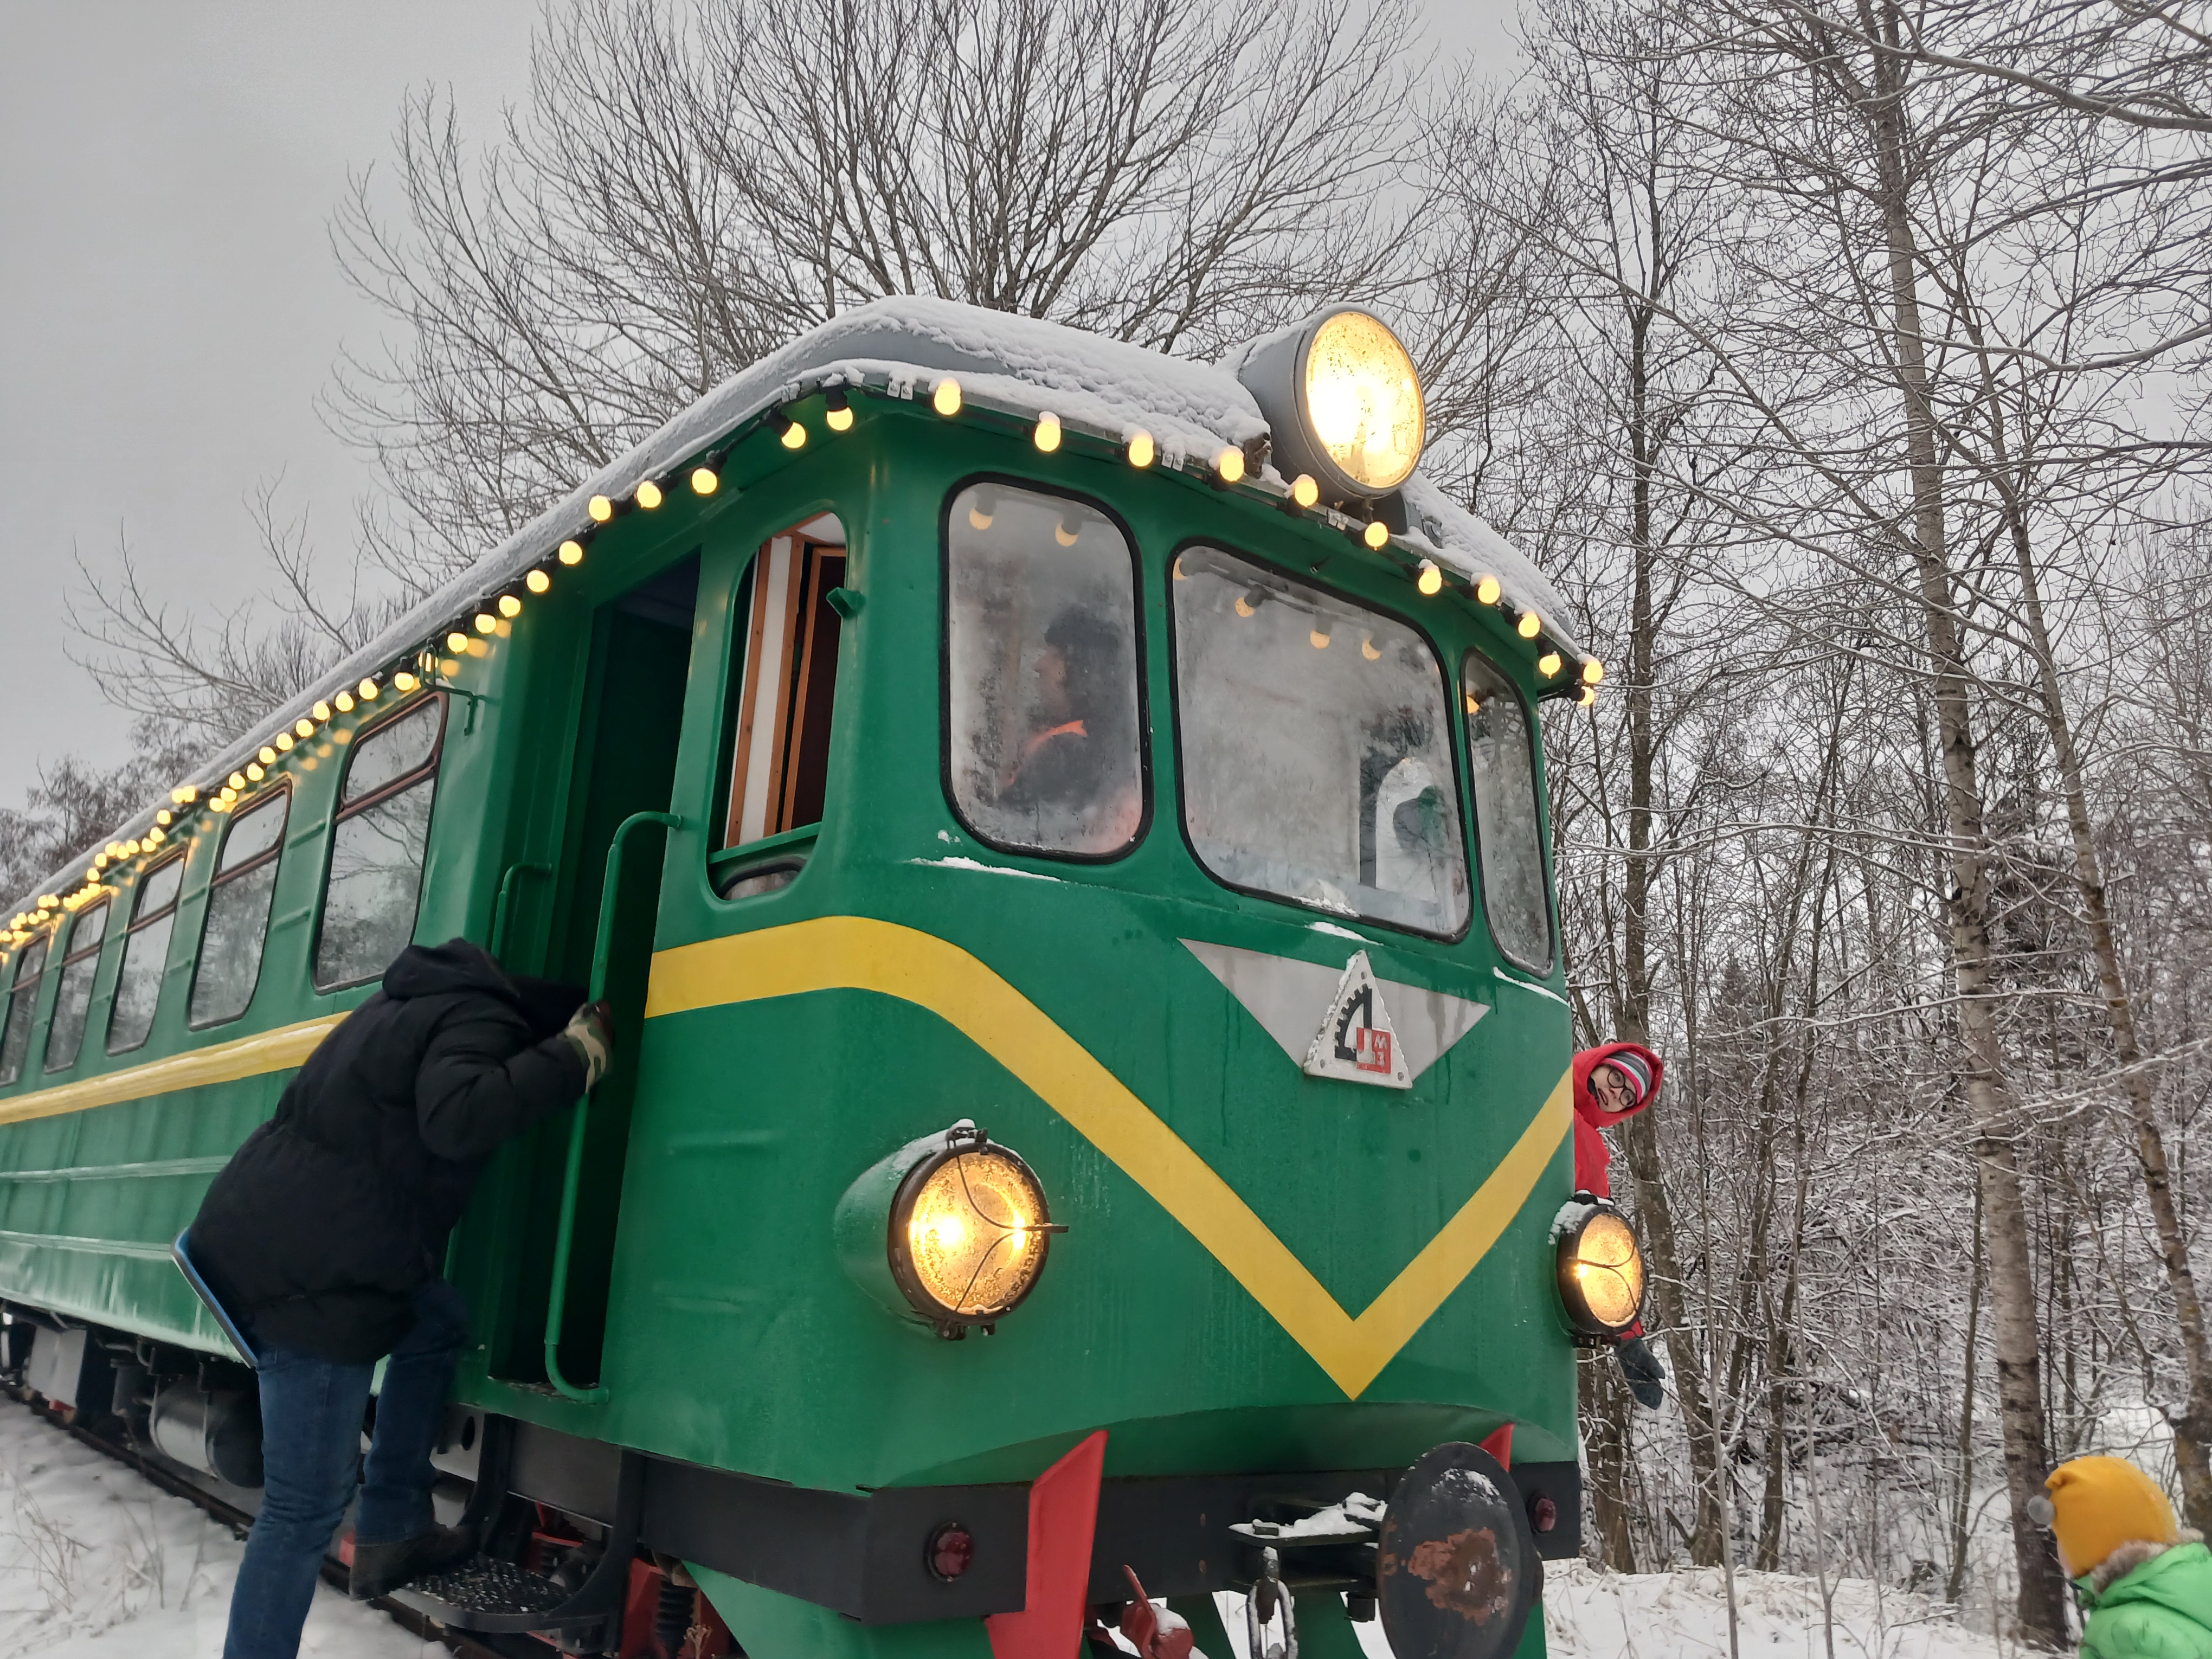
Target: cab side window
22, 1009
377, 844
238, 911
779, 755
145, 956
1044, 717
1509, 830
65, 1033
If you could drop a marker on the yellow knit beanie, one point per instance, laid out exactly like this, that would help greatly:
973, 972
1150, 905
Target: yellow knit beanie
2098, 1504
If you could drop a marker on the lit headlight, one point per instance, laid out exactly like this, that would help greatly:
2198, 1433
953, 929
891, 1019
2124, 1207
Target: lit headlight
1601, 1267
958, 1224
1343, 402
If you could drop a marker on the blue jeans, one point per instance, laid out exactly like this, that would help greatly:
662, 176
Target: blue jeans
311, 1419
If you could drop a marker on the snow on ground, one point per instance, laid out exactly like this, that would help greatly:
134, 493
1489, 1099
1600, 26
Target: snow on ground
1610, 1615
98, 1563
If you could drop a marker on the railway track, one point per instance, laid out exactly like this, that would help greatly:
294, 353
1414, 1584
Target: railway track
237, 1521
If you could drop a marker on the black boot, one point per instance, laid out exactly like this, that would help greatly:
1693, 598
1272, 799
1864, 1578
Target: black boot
1643, 1370
378, 1569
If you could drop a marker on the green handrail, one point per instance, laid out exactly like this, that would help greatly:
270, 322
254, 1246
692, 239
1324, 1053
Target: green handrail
503, 910
609, 898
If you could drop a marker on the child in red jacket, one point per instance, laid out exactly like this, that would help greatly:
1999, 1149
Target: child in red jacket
1614, 1082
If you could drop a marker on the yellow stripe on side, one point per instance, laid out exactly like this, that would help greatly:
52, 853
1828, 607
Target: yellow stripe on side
862, 954
279, 1050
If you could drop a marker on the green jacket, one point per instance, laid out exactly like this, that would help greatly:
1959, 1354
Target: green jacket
2160, 1610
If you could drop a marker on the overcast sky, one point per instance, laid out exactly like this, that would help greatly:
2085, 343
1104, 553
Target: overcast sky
169, 306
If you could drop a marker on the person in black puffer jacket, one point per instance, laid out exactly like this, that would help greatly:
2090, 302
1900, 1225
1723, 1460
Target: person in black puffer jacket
323, 1238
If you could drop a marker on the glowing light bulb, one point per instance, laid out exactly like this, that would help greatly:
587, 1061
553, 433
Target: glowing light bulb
184, 794
253, 772
601, 509
1548, 664
284, 742
1143, 452
366, 691
1367, 649
403, 681
1588, 697
946, 398
794, 436
1047, 435
537, 582
165, 817
1303, 490
1593, 671
113, 849
572, 552
344, 701
155, 836
648, 495
1229, 464
1376, 534
1529, 626
321, 711
486, 622
839, 412
237, 782
1488, 590
1430, 581
509, 605
705, 481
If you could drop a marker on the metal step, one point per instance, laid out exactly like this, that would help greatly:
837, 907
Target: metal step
484, 1589
493, 1596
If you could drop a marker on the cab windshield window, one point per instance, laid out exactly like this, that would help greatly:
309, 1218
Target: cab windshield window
1042, 717
1317, 748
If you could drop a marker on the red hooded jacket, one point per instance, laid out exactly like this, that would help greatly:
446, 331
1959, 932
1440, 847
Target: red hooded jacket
1590, 1154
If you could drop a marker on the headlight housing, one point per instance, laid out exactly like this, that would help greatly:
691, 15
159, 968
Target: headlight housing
1600, 1266
1343, 402
952, 1230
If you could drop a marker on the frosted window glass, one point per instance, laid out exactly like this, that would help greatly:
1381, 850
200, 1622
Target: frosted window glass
1317, 748
1041, 640
1509, 830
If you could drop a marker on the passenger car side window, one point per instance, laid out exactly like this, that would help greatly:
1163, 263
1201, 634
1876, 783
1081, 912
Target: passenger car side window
65, 1033
1044, 719
145, 956
1509, 830
22, 1009
238, 911
377, 847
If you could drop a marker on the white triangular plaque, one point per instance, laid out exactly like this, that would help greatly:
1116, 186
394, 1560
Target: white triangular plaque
1356, 1041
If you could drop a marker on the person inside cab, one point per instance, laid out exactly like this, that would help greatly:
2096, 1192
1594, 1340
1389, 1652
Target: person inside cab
1072, 766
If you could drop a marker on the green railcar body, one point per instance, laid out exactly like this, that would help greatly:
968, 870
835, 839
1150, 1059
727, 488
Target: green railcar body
1263, 1270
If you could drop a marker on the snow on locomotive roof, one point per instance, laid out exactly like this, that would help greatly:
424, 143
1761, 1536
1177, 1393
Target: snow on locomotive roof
1020, 366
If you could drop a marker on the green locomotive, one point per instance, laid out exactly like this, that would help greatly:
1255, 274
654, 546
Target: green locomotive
1063, 831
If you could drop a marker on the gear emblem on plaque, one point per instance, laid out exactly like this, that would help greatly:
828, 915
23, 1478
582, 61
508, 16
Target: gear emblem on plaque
1457, 1573
1357, 1042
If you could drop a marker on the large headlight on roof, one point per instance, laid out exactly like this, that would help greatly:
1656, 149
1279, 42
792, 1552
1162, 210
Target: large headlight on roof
952, 1230
1343, 402
1600, 1266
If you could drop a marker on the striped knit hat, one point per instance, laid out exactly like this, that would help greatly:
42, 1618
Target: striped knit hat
1632, 1066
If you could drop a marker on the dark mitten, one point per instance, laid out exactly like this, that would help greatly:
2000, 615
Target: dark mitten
1643, 1371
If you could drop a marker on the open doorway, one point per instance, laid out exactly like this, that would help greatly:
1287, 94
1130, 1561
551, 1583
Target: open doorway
624, 763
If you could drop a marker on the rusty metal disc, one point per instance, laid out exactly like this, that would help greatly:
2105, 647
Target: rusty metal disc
1458, 1574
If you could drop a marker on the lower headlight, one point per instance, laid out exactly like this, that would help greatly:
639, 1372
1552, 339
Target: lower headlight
1601, 1267
960, 1223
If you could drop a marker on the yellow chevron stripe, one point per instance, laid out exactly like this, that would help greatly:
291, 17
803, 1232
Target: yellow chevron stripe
279, 1050
859, 953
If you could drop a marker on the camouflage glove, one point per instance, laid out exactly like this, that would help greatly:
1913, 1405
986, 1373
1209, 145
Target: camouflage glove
591, 1034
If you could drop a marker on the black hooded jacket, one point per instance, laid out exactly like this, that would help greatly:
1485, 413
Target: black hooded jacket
339, 1206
